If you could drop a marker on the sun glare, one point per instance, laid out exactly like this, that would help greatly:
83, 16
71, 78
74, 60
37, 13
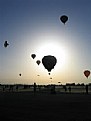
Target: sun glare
54, 49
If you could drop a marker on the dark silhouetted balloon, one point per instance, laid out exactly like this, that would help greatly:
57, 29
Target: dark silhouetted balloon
64, 19
19, 74
87, 73
6, 44
49, 62
33, 56
38, 62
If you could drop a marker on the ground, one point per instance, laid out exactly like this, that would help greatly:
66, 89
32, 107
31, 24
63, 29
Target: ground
27, 106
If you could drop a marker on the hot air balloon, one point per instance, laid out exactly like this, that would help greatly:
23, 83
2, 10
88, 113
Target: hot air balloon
38, 62
49, 62
87, 73
33, 56
64, 19
19, 74
6, 44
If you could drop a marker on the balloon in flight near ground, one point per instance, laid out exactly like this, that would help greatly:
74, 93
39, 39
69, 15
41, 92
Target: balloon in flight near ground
33, 56
38, 62
6, 44
64, 18
87, 73
49, 62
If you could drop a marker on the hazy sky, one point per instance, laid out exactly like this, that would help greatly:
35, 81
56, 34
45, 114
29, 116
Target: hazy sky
34, 26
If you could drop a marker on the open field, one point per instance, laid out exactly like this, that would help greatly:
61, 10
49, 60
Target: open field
27, 106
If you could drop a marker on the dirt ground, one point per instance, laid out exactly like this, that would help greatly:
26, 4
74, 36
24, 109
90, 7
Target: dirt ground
26, 106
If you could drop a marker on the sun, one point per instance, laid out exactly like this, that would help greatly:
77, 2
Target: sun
54, 49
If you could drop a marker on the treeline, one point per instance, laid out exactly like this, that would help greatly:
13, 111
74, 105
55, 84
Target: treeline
53, 88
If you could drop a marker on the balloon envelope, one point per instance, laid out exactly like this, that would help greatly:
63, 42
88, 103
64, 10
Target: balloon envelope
49, 62
19, 74
87, 73
38, 62
33, 56
64, 19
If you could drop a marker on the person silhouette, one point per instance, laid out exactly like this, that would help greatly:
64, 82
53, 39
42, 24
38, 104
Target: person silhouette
86, 89
69, 89
65, 88
34, 87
